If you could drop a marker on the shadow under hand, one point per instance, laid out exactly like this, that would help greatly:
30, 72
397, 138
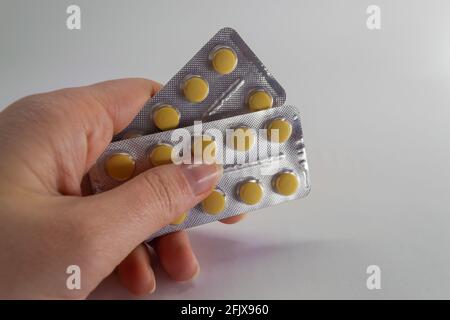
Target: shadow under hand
224, 261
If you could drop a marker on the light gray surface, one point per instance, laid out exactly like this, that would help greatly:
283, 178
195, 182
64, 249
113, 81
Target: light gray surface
376, 118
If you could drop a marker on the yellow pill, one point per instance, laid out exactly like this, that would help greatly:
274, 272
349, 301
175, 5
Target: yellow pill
259, 100
224, 60
120, 166
166, 117
195, 89
286, 183
280, 126
251, 192
161, 154
131, 135
243, 139
180, 219
204, 148
215, 203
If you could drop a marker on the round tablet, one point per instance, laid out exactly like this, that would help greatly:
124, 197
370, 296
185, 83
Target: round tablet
166, 117
161, 154
120, 166
243, 139
131, 135
180, 219
259, 100
224, 60
206, 146
215, 203
250, 192
195, 89
283, 127
286, 183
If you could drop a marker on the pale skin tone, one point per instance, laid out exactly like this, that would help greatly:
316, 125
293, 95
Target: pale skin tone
48, 220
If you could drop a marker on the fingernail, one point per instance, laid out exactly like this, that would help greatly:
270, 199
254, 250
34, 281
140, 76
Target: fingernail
197, 272
202, 177
153, 289
193, 276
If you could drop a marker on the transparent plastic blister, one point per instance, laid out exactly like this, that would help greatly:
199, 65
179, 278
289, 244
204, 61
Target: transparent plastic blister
210, 87
266, 164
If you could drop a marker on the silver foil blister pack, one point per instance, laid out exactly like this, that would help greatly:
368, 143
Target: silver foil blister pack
231, 90
272, 168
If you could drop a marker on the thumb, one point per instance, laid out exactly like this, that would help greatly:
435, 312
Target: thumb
127, 215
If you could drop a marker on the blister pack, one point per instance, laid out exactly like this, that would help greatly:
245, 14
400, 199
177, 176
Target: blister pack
223, 79
262, 153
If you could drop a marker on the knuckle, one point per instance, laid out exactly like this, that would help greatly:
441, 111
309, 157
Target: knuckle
160, 188
165, 190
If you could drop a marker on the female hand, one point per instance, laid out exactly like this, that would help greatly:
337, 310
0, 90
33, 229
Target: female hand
48, 143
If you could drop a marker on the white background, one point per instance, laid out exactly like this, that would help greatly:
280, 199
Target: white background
375, 111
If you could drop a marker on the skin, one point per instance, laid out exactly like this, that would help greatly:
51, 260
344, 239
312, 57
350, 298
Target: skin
48, 219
